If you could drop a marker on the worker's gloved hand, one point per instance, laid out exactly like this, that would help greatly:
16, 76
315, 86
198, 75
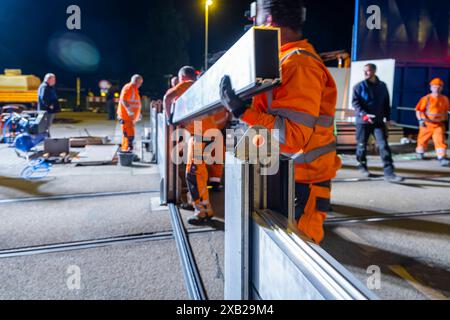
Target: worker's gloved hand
230, 100
422, 123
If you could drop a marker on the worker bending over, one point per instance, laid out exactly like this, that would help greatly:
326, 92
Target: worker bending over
432, 113
302, 109
198, 173
129, 111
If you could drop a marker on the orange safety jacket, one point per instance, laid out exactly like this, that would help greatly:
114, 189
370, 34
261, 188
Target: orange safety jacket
129, 95
433, 109
303, 110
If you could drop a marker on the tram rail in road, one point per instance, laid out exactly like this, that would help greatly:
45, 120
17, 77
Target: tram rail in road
384, 217
75, 196
194, 283
91, 244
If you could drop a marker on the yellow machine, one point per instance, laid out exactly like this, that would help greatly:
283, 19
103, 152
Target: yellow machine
18, 88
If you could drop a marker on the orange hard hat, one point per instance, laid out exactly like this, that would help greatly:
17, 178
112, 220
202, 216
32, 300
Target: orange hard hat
437, 82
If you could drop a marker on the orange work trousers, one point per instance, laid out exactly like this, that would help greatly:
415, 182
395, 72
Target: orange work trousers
312, 206
435, 131
128, 133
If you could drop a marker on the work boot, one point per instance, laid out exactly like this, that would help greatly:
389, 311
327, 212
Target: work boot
443, 162
393, 178
362, 168
420, 156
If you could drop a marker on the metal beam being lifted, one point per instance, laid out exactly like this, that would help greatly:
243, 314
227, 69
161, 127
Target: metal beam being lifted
253, 65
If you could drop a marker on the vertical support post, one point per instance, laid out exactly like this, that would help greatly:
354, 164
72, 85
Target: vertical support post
237, 228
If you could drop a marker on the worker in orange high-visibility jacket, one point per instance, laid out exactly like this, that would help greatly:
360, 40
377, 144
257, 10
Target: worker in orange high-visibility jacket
198, 173
184, 81
432, 113
129, 111
302, 109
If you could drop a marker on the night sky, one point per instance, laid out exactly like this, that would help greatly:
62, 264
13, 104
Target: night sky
33, 32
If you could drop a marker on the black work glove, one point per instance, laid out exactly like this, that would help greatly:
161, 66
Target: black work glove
230, 100
422, 123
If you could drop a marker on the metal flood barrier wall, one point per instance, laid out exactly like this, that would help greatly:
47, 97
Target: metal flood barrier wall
264, 258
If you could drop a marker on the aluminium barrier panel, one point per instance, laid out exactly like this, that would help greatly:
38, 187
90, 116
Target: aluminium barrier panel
260, 249
161, 155
286, 267
154, 131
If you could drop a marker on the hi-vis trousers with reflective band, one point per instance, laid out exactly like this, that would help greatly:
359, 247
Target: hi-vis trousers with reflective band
312, 206
198, 173
128, 134
436, 131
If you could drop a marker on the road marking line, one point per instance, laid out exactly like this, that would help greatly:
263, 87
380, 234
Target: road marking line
427, 291
356, 239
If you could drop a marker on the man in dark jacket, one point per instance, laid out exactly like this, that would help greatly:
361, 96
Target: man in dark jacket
372, 108
48, 100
